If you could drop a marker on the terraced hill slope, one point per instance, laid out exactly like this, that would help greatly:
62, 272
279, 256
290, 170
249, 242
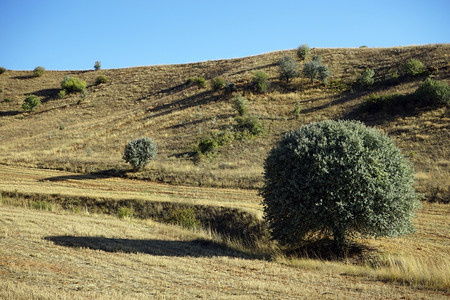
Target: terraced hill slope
88, 135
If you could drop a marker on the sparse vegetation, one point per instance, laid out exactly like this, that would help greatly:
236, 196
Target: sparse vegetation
337, 179
288, 68
62, 94
432, 92
125, 212
185, 217
38, 71
311, 69
218, 83
198, 81
414, 67
2, 70
31, 102
101, 79
323, 74
297, 110
138, 153
240, 104
303, 51
366, 79
249, 125
97, 65
260, 82
73, 84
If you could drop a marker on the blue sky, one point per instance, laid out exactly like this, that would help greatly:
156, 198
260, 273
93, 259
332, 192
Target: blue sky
72, 35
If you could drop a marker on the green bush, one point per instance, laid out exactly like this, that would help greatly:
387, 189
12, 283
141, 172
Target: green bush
42, 205
97, 65
208, 145
297, 110
240, 104
198, 81
311, 69
230, 87
125, 212
323, 74
2, 70
432, 92
31, 102
366, 79
288, 68
101, 79
185, 217
317, 58
337, 179
62, 94
249, 125
414, 67
38, 71
73, 84
303, 51
260, 82
138, 153
218, 83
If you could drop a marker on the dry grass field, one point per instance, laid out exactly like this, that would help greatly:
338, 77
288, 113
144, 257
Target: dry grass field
63, 183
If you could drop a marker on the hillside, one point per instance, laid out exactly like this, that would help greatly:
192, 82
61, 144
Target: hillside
88, 135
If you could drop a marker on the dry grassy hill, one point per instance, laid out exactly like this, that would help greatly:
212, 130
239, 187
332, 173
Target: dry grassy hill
89, 135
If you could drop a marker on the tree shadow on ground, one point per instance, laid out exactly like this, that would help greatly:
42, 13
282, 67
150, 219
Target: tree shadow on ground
9, 113
110, 173
194, 248
47, 94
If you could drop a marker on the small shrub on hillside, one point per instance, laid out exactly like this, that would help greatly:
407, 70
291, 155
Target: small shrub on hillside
97, 65
338, 86
311, 69
297, 110
42, 205
323, 74
2, 70
240, 104
138, 153
101, 79
125, 212
184, 217
38, 71
73, 84
366, 79
414, 67
31, 102
198, 81
288, 68
260, 82
337, 179
317, 58
303, 51
249, 125
218, 83
230, 87
61, 94
208, 145
432, 92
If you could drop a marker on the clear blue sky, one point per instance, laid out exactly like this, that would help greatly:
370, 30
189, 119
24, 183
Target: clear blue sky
72, 35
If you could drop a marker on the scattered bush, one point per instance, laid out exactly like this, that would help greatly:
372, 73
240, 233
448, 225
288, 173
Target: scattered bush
38, 71
338, 86
2, 70
311, 69
249, 125
337, 179
366, 79
317, 58
184, 217
140, 152
432, 92
101, 79
208, 145
31, 102
218, 83
198, 81
73, 84
288, 68
297, 110
230, 87
42, 205
61, 94
323, 74
125, 212
97, 65
260, 82
240, 104
414, 67
303, 51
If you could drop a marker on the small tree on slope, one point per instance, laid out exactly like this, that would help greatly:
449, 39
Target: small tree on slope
140, 152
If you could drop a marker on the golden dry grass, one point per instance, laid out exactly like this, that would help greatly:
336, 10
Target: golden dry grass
154, 101
56, 255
